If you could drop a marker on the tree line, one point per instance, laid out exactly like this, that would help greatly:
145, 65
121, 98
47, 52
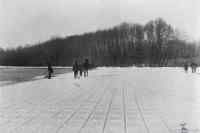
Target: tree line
154, 44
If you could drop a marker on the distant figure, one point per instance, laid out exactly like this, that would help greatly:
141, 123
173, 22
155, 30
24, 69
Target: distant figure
50, 70
75, 69
186, 67
194, 67
86, 67
183, 128
80, 68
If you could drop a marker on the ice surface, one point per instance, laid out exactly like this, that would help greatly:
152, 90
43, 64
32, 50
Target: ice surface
2, 83
110, 100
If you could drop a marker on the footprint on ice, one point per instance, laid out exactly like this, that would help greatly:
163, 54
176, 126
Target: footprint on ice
76, 84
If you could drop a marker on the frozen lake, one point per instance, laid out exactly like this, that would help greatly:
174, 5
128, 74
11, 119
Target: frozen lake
110, 100
13, 75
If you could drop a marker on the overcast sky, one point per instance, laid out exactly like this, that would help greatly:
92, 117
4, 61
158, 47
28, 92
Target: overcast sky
30, 21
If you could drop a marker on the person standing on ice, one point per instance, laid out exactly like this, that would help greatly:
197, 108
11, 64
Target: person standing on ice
75, 69
50, 70
86, 67
80, 66
186, 67
194, 67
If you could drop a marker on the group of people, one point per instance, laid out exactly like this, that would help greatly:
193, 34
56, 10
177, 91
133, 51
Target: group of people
192, 65
80, 68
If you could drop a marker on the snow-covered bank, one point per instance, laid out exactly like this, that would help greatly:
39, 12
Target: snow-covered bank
117, 100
